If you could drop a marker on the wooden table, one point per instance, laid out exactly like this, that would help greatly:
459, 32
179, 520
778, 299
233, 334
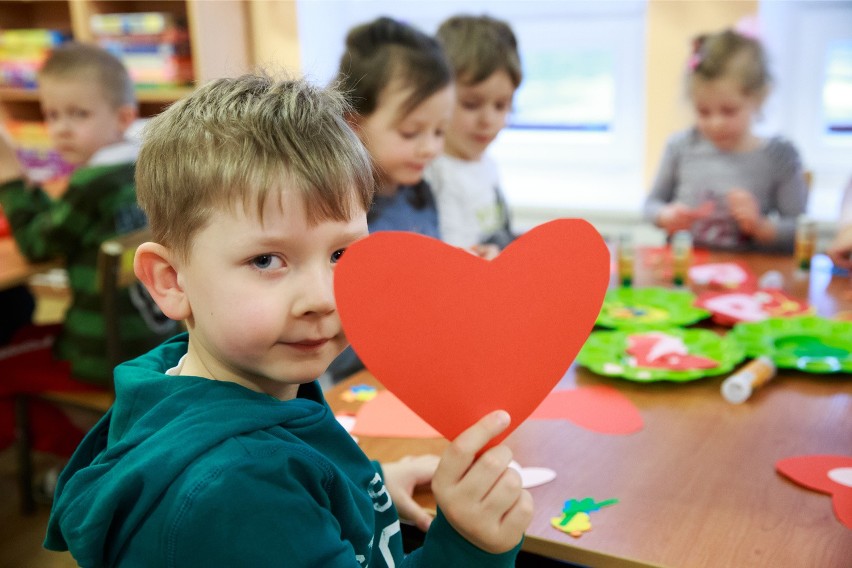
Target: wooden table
697, 485
14, 268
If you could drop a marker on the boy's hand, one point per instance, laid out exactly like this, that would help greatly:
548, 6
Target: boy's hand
482, 497
10, 168
401, 478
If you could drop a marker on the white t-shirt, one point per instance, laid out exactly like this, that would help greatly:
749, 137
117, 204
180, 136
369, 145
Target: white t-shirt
466, 193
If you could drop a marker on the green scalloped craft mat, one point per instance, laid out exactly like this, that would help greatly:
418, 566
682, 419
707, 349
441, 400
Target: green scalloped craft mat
649, 308
605, 353
809, 343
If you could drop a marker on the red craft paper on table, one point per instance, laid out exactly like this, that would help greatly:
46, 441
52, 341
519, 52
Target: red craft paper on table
456, 337
824, 473
385, 416
729, 308
599, 408
658, 350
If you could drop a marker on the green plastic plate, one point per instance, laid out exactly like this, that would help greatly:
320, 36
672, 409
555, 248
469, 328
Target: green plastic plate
605, 353
649, 308
809, 343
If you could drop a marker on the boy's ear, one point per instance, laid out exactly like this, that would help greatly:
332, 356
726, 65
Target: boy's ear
155, 268
126, 115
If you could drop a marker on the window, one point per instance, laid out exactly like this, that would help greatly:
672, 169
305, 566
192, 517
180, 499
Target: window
810, 47
837, 89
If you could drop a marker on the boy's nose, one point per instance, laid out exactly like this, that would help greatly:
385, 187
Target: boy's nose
59, 126
315, 294
489, 116
433, 146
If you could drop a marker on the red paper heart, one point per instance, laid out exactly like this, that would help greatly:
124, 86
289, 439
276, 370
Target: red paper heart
814, 472
455, 336
599, 408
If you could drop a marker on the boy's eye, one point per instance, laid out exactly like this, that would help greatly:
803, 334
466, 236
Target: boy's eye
470, 105
266, 262
336, 255
408, 135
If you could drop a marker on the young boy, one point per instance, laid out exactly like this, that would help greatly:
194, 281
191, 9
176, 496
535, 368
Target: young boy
220, 449
484, 55
88, 103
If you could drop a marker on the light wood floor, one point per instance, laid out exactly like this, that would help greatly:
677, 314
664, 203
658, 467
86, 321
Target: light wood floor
21, 536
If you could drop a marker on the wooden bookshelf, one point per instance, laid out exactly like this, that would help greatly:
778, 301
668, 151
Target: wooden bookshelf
220, 42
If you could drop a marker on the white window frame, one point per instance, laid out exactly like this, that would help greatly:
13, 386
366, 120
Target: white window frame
797, 35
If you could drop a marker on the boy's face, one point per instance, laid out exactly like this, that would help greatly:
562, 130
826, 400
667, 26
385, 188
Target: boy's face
261, 295
480, 113
80, 119
403, 145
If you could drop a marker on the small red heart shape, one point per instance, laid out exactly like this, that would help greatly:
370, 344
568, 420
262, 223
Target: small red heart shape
455, 336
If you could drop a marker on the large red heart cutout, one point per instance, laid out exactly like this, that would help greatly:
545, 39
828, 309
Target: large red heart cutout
455, 336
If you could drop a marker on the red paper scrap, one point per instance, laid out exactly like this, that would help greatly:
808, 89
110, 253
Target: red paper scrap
385, 416
598, 408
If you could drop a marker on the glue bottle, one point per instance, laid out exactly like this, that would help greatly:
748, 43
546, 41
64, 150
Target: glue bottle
805, 245
625, 260
738, 387
681, 257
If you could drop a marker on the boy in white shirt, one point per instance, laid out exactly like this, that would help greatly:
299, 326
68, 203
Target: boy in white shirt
472, 211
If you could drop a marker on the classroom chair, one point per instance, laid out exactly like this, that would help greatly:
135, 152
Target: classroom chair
114, 273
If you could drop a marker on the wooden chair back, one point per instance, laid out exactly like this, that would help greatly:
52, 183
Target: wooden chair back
115, 274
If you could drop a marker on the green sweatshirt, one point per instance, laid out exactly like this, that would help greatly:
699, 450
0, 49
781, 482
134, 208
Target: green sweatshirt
100, 203
186, 471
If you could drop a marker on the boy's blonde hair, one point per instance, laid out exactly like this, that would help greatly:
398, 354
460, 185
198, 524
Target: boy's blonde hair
90, 63
477, 46
236, 140
730, 54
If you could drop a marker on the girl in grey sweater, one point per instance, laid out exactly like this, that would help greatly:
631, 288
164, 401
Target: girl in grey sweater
729, 187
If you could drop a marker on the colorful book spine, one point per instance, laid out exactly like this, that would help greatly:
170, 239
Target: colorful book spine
22, 52
35, 152
140, 23
153, 46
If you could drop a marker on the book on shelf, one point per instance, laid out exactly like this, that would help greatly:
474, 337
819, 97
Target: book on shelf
22, 53
154, 46
42, 164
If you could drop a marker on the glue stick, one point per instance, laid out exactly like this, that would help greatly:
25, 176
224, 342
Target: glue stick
625, 260
805, 244
681, 256
738, 387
